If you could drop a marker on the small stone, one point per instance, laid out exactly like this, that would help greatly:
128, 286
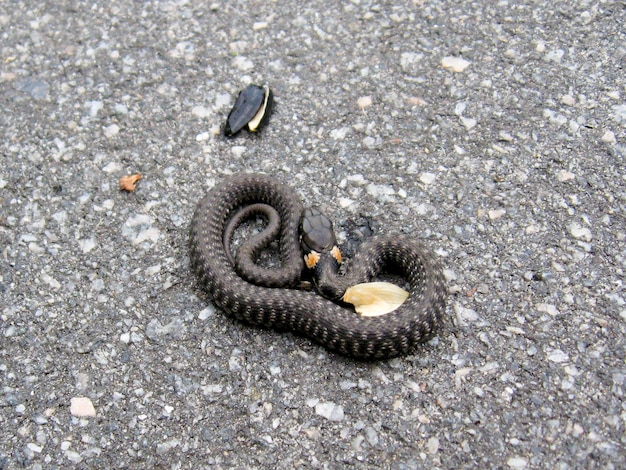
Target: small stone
547, 308
82, 407
222, 100
238, 150
201, 112
609, 137
517, 463
465, 315
496, 213
455, 64
242, 63
409, 60
87, 244
339, 133
166, 446
111, 131
580, 232
206, 313
427, 178
468, 123
259, 25
558, 356
73, 456
564, 175
432, 445
330, 411
555, 55
568, 100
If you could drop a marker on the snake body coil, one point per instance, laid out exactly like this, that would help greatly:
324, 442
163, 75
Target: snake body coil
305, 312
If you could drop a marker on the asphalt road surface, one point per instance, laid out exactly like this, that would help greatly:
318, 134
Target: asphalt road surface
495, 132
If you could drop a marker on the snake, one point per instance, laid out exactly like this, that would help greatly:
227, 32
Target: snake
273, 297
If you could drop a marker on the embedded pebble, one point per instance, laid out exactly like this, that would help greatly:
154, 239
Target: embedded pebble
564, 175
547, 308
82, 407
558, 356
111, 131
409, 61
609, 137
206, 313
201, 112
455, 64
468, 123
496, 214
87, 244
555, 55
517, 463
580, 232
238, 150
465, 315
432, 445
330, 411
222, 99
428, 178
242, 63
339, 133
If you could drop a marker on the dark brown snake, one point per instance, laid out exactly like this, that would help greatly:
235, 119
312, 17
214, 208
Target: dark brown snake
282, 306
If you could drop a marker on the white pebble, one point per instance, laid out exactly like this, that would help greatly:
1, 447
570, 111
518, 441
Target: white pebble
72, 456
94, 107
558, 356
330, 411
201, 111
609, 137
427, 178
568, 100
517, 463
87, 244
340, 133
52, 282
465, 315
206, 313
238, 150
468, 123
82, 407
547, 308
242, 63
111, 131
555, 55
345, 202
112, 167
455, 64
222, 99
580, 232
565, 175
432, 445
496, 213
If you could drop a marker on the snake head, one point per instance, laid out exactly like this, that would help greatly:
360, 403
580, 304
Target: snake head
321, 253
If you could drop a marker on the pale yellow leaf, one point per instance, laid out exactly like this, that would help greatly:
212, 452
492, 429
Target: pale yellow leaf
372, 299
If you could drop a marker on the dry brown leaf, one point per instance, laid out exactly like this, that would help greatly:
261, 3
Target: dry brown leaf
128, 182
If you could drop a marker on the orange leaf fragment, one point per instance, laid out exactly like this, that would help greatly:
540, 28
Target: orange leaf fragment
128, 182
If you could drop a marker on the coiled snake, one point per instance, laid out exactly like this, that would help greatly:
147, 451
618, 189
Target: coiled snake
277, 303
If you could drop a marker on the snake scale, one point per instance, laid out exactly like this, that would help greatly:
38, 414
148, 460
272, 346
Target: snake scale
284, 307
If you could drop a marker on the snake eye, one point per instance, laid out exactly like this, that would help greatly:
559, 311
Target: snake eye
316, 231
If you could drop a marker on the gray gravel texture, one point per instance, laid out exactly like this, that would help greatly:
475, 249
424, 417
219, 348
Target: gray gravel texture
510, 168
